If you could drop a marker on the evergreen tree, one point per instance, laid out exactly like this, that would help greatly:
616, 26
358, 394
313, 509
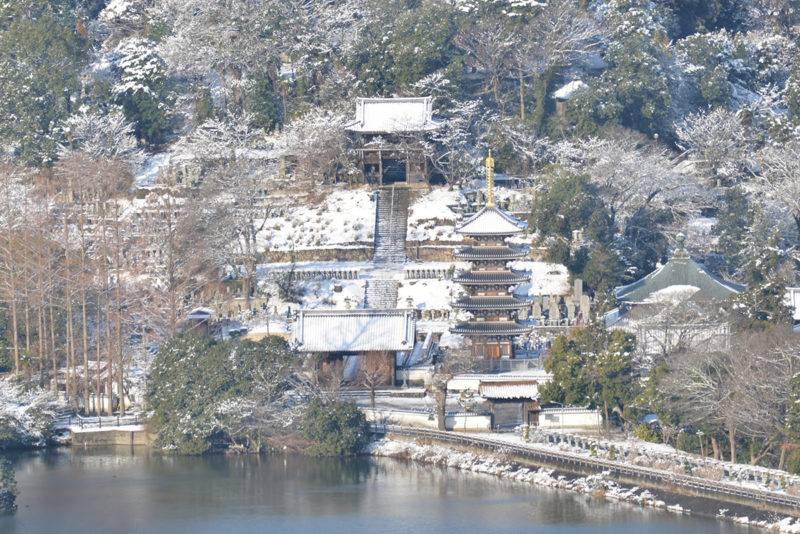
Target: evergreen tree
591, 367
204, 391
337, 428
143, 89
41, 58
260, 101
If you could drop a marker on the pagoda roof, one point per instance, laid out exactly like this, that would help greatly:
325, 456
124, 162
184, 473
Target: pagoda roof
491, 221
680, 270
491, 328
489, 302
489, 253
490, 278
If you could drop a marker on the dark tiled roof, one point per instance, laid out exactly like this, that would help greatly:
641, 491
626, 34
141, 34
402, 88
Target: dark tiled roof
489, 253
680, 270
485, 302
489, 277
490, 328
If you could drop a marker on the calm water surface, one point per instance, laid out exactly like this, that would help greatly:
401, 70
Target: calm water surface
122, 492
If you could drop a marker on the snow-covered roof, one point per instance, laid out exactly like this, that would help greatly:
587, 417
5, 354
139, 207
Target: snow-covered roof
354, 330
393, 115
566, 91
792, 300
491, 221
524, 389
200, 313
680, 271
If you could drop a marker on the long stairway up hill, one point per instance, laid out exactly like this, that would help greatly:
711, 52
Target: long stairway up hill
391, 220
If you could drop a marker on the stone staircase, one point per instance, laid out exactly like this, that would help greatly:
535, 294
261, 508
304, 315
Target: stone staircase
391, 221
380, 294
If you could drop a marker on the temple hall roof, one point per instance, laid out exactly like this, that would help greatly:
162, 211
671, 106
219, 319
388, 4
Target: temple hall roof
680, 270
491, 221
393, 115
354, 330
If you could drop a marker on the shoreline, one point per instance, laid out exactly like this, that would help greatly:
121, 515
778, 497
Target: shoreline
598, 485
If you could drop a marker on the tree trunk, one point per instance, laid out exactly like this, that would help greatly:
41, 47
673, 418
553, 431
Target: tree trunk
521, 95
782, 461
608, 422
71, 370
715, 448
97, 408
441, 406
732, 439
118, 266
540, 89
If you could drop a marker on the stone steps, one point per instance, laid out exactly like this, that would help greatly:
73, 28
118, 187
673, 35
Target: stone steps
391, 221
380, 294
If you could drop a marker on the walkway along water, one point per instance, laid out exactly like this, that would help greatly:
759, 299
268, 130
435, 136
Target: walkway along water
643, 476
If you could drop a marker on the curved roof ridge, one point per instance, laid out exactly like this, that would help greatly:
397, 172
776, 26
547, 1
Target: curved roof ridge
679, 270
491, 220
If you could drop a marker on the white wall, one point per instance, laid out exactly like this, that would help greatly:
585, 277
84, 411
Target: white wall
569, 418
461, 422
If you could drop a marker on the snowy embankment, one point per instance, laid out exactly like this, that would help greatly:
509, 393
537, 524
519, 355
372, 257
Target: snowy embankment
598, 485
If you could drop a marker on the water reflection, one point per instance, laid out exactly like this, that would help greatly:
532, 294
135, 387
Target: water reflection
122, 491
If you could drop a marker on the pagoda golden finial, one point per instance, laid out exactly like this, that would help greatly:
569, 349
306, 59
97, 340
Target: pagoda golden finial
490, 180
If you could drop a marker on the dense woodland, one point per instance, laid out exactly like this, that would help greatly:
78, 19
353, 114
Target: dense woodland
688, 111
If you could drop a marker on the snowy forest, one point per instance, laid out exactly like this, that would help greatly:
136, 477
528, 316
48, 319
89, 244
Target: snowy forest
145, 144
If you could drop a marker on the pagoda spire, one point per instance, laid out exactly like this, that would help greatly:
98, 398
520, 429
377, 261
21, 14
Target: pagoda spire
490, 180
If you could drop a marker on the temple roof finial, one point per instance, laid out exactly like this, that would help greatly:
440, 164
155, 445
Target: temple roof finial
680, 250
490, 180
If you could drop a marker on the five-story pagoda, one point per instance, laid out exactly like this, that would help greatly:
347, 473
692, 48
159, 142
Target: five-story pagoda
489, 282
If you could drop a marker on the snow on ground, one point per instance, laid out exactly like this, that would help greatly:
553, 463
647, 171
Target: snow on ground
344, 218
430, 217
702, 225
146, 177
546, 278
322, 294
429, 294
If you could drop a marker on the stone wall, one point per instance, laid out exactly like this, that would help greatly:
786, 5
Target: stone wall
97, 438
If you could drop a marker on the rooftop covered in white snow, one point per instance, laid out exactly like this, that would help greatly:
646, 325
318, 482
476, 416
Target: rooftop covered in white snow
491, 221
675, 277
354, 331
394, 115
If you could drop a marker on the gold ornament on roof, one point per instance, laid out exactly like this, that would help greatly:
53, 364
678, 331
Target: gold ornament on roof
490, 181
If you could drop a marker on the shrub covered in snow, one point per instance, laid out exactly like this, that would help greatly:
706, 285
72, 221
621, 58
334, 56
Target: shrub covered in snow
26, 416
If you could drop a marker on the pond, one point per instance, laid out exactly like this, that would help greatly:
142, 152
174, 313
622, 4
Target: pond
122, 491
